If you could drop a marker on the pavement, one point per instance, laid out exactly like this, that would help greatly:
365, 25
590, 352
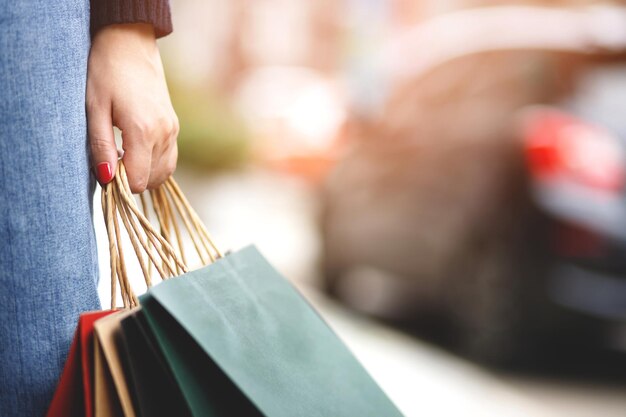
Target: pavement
278, 214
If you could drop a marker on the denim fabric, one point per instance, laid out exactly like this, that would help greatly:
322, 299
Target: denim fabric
48, 262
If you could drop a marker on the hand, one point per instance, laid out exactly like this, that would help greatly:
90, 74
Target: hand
126, 88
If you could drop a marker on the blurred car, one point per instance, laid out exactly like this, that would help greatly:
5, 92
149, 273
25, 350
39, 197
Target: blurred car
488, 201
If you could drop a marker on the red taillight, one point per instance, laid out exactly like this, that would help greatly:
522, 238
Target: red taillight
559, 145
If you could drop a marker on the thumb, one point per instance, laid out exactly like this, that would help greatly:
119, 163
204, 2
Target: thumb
102, 144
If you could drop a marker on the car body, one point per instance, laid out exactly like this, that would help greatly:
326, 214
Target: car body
442, 213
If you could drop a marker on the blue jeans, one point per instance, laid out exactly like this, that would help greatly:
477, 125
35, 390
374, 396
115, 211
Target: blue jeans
48, 261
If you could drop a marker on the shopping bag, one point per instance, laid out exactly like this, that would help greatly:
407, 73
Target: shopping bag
234, 337
238, 324
74, 393
106, 400
154, 389
208, 391
107, 332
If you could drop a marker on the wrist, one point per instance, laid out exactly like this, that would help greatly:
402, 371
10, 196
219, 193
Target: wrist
124, 42
123, 32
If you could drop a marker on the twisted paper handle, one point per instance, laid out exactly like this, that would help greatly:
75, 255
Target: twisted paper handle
162, 249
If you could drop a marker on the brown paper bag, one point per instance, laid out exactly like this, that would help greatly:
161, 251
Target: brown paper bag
107, 332
107, 402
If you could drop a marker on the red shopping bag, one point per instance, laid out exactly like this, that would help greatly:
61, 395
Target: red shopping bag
74, 394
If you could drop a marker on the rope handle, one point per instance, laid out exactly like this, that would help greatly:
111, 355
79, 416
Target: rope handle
162, 250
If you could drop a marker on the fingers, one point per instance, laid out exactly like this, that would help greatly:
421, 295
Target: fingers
150, 151
137, 159
126, 73
165, 156
101, 142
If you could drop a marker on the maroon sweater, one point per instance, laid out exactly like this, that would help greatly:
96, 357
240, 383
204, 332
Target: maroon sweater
109, 12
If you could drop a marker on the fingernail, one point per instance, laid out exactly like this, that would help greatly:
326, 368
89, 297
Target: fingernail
104, 173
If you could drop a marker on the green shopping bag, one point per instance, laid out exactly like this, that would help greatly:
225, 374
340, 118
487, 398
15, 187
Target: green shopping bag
264, 336
239, 339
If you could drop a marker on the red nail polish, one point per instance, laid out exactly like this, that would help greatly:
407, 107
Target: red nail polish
104, 173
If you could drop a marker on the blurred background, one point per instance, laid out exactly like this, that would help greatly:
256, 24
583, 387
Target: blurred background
444, 179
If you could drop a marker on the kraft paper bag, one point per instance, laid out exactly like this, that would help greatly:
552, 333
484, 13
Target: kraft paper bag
107, 331
107, 402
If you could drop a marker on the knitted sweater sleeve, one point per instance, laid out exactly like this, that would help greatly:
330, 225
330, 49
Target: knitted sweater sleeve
155, 12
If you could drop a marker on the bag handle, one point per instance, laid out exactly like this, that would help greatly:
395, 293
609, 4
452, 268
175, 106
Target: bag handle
162, 249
